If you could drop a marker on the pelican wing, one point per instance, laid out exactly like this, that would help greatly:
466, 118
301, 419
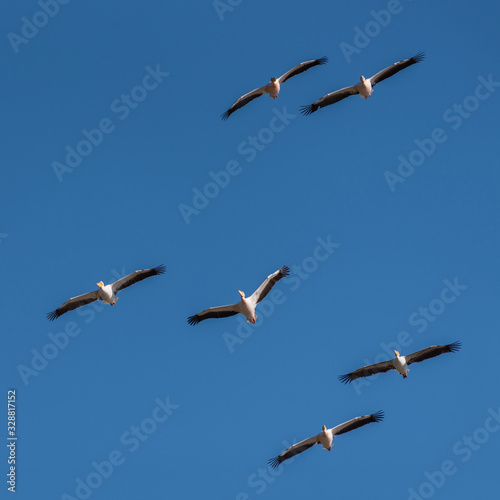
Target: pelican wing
394, 68
242, 101
268, 283
293, 450
354, 423
136, 276
73, 303
431, 352
300, 68
366, 371
328, 99
215, 312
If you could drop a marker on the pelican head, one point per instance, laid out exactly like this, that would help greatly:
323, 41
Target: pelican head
396, 352
273, 79
242, 294
100, 284
362, 78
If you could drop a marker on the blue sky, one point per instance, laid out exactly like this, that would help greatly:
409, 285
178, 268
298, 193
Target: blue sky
386, 210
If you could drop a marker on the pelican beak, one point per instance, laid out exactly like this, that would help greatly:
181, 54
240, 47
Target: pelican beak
324, 427
242, 295
396, 352
100, 284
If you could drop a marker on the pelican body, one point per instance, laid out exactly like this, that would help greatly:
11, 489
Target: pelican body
325, 438
364, 88
247, 308
273, 87
106, 293
400, 364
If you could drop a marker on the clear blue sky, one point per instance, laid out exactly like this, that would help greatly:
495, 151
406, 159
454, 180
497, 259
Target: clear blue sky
381, 251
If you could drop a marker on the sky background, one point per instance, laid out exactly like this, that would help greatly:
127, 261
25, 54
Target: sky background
236, 394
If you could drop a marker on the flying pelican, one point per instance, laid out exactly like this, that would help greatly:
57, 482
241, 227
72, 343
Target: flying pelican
107, 293
325, 437
364, 88
400, 363
245, 306
273, 87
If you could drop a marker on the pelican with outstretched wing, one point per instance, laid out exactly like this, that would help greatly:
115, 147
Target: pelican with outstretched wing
273, 87
246, 305
106, 293
400, 363
325, 437
364, 88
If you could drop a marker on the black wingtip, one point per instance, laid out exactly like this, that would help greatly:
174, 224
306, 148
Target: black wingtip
379, 416
456, 346
51, 316
345, 379
161, 269
307, 110
419, 57
225, 115
274, 462
285, 271
322, 60
193, 320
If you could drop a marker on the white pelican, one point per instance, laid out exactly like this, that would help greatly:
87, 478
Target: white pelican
400, 363
107, 293
364, 87
245, 306
273, 87
325, 437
